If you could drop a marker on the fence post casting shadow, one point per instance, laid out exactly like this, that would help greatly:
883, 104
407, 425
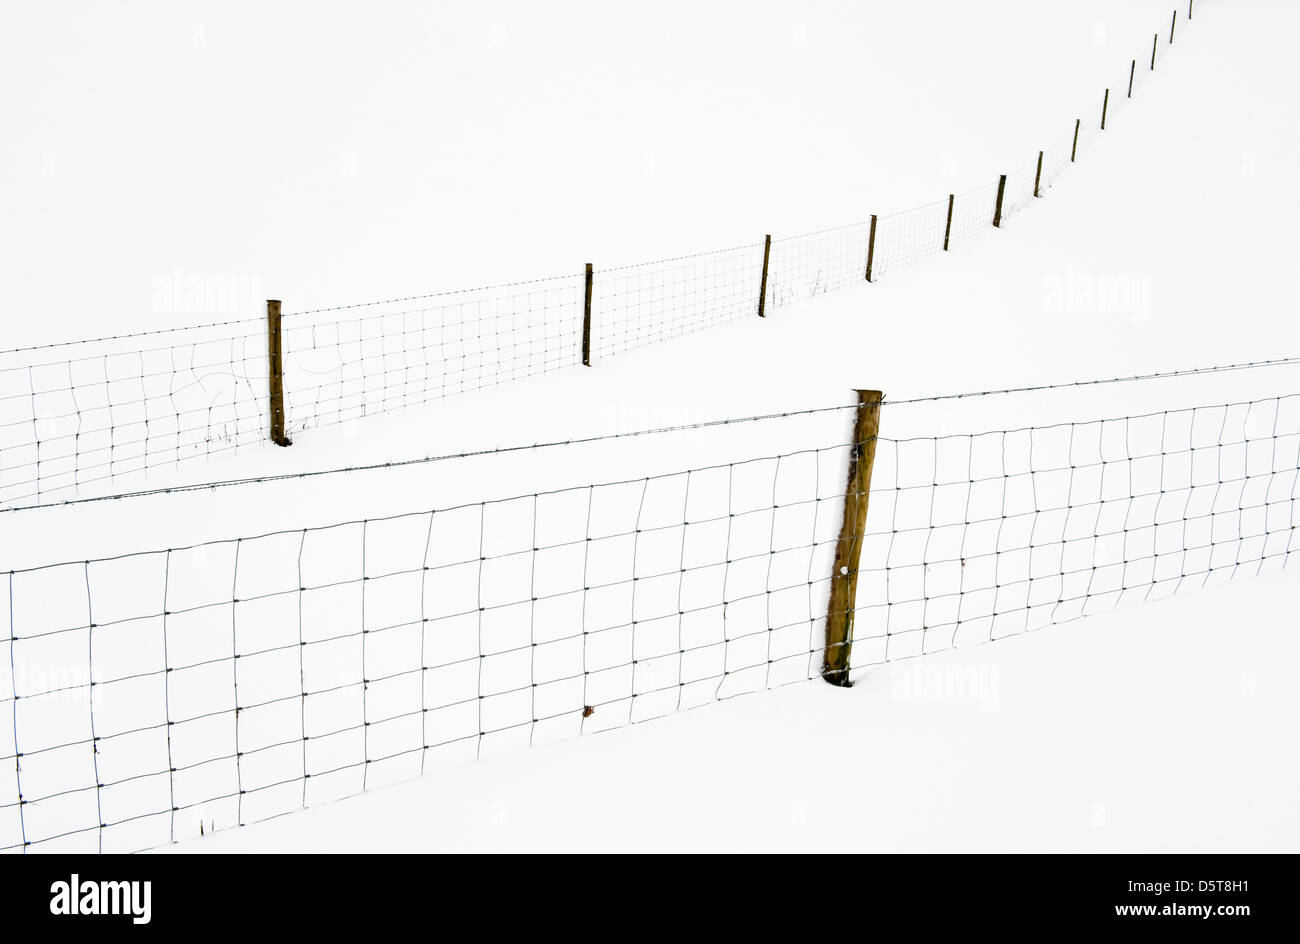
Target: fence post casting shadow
871, 246
586, 323
275, 364
848, 550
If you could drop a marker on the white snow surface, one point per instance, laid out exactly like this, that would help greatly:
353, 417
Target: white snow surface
1153, 729
327, 155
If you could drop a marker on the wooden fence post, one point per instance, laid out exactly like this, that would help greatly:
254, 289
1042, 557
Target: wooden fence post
1189, 8
1075, 146
275, 365
1172, 24
586, 323
871, 246
947, 230
848, 550
1131, 69
1105, 103
1155, 41
997, 210
762, 287
1038, 174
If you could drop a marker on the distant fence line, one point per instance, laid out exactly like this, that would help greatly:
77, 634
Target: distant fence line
212, 485
73, 422
234, 680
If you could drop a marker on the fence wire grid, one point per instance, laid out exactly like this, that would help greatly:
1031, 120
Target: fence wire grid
451, 344
66, 424
74, 422
236, 680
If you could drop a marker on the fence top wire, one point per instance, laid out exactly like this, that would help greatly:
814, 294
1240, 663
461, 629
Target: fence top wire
522, 283
156, 332
468, 291
100, 356
707, 424
397, 516
1091, 421
447, 293
934, 205
1071, 384
819, 232
748, 460
686, 258
421, 460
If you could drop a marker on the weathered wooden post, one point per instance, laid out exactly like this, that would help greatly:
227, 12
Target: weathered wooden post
947, 230
871, 246
1155, 41
1074, 148
1038, 174
997, 210
586, 322
848, 550
762, 286
1172, 24
1105, 103
1189, 8
275, 365
1131, 69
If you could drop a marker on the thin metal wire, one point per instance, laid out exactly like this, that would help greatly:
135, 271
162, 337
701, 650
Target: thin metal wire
364, 651
662, 430
68, 426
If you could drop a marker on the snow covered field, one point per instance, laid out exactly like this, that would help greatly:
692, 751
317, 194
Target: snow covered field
1159, 249
1150, 729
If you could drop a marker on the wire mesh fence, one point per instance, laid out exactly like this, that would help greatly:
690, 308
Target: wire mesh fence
69, 423
239, 679
979, 536
1089, 126
813, 264
906, 238
633, 306
1020, 189
388, 357
73, 424
231, 681
972, 214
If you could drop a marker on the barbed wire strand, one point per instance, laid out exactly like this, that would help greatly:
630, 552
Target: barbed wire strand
656, 431
537, 617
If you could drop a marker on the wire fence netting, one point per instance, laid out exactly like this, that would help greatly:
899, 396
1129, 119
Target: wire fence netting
978, 536
147, 693
906, 238
813, 264
633, 306
82, 421
972, 214
387, 357
235, 680
74, 422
